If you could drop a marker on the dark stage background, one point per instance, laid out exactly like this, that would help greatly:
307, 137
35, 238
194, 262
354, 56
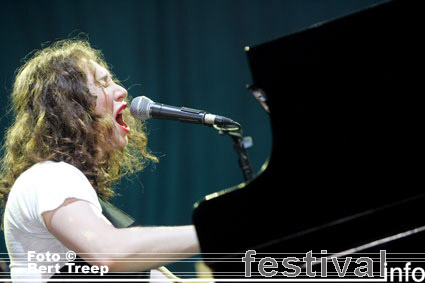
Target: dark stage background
183, 53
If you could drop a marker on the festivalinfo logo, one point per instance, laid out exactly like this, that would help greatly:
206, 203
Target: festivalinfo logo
331, 268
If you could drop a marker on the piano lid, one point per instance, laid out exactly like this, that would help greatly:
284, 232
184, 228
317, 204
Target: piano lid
345, 99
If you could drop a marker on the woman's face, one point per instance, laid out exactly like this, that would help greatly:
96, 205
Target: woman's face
110, 101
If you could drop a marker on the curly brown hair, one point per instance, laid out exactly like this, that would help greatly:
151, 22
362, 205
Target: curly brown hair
55, 120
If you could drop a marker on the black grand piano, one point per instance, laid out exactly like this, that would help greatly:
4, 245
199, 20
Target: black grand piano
345, 99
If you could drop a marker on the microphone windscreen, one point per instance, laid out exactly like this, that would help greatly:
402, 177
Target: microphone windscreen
140, 107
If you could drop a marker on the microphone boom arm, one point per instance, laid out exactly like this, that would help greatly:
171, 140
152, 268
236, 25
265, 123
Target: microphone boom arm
240, 144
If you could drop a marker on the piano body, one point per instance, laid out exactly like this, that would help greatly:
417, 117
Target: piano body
345, 101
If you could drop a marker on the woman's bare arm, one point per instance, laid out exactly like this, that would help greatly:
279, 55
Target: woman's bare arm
80, 227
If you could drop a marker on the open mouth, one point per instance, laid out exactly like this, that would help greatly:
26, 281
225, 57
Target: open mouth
119, 119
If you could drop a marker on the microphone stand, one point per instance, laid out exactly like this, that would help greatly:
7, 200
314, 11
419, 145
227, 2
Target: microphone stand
240, 144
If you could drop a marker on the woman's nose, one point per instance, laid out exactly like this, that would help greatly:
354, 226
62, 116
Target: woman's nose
120, 93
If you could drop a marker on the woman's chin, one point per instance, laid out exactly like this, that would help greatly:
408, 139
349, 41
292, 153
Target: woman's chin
118, 142
119, 139
121, 143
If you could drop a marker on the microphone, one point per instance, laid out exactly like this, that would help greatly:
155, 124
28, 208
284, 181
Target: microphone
143, 108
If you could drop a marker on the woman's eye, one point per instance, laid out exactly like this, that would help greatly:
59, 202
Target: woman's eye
103, 82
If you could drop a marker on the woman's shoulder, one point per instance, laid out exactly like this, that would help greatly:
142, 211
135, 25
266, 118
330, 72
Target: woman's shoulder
44, 187
50, 183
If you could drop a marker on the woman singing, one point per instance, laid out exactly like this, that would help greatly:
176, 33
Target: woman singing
71, 138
